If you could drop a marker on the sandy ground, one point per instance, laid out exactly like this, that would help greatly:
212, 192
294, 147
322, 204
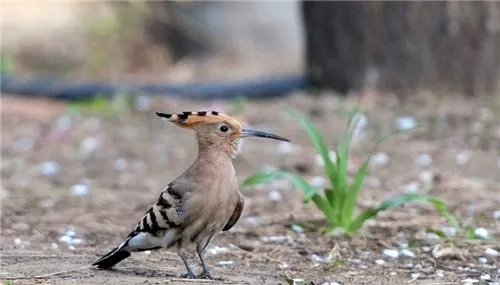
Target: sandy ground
124, 161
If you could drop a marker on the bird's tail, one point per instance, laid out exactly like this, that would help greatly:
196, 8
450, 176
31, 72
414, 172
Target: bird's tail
111, 258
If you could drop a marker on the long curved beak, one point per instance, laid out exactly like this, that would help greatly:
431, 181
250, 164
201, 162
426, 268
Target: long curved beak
256, 133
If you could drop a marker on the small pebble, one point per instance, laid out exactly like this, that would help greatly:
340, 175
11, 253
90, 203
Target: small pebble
251, 221
360, 127
49, 168
275, 196
482, 260
17, 241
470, 281
496, 215
89, 145
337, 232
54, 246
380, 159
411, 187
491, 252
485, 277
65, 239
285, 148
407, 253
218, 249
147, 252
21, 227
318, 181
284, 265
426, 177
298, 229
276, 239
47, 203
462, 158
482, 233
63, 123
431, 236
392, 253
424, 160
76, 241
414, 276
439, 274
120, 164
224, 262
380, 262
449, 231
405, 123
319, 258
393, 273
79, 190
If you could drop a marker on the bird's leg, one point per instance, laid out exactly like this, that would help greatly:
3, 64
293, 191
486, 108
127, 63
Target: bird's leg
189, 274
204, 274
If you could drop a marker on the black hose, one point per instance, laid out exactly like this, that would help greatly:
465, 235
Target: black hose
257, 88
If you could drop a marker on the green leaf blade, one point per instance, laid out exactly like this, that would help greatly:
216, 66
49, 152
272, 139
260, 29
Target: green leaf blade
399, 201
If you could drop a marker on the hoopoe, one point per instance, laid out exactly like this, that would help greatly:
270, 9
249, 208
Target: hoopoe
199, 203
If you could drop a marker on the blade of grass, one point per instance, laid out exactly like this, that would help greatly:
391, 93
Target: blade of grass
325, 207
352, 195
319, 144
399, 201
262, 177
342, 167
309, 192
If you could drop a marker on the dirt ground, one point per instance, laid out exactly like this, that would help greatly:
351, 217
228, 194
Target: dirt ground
120, 163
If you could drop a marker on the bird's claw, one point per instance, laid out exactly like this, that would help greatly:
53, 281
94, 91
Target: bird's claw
188, 275
204, 275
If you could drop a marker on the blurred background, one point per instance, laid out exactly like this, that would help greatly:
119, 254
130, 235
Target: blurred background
83, 155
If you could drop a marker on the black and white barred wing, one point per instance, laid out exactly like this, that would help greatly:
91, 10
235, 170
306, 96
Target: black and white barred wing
158, 228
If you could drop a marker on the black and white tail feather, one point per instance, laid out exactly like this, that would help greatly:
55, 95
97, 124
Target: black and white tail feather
156, 230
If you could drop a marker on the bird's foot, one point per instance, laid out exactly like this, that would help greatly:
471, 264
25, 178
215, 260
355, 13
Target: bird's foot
188, 275
204, 275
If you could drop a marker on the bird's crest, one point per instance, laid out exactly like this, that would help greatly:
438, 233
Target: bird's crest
191, 119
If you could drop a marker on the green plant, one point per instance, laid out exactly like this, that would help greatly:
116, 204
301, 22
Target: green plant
338, 201
237, 104
101, 104
5, 64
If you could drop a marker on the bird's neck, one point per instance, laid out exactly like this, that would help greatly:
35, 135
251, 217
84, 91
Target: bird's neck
231, 150
212, 162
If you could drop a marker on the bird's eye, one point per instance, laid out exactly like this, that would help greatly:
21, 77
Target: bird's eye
223, 129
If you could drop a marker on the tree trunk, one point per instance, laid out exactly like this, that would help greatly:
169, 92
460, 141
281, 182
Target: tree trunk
397, 46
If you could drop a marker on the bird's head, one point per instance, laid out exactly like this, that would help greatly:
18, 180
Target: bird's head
216, 130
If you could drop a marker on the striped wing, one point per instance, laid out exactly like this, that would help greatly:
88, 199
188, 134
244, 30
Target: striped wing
158, 227
164, 214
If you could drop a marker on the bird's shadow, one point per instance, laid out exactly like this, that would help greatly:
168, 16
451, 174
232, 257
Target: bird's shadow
143, 272
149, 273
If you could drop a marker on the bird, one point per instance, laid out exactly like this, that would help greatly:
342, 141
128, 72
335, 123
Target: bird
198, 204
